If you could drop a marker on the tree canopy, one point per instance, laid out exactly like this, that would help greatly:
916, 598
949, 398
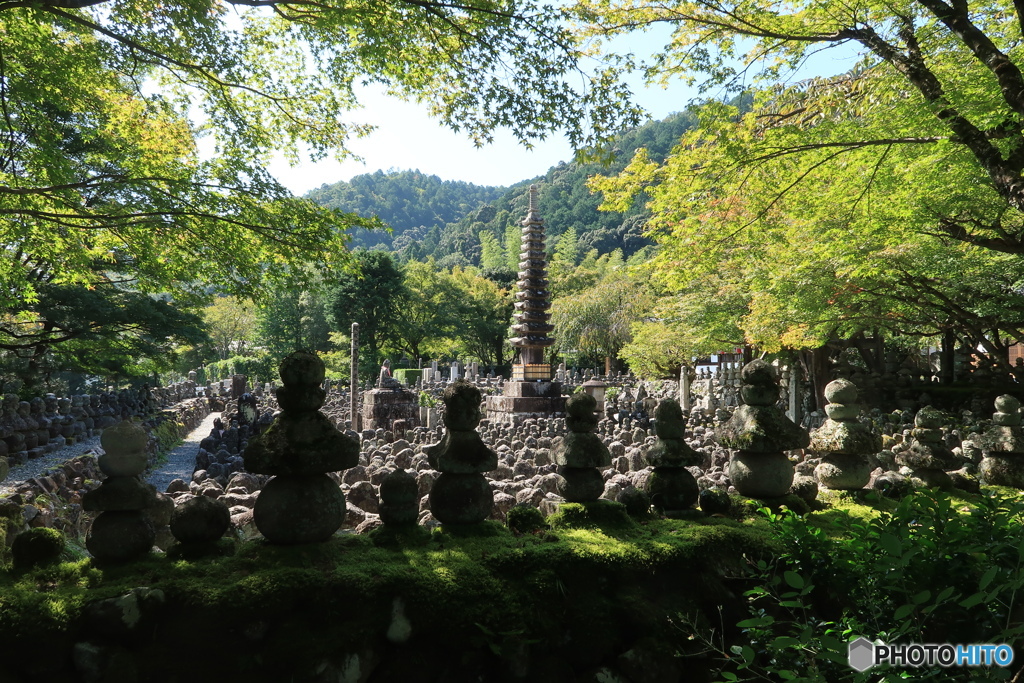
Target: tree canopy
885, 198
135, 133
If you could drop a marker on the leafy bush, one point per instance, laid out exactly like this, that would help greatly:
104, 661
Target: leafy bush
932, 570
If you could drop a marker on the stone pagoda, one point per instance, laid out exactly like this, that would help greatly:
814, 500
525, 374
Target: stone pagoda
531, 392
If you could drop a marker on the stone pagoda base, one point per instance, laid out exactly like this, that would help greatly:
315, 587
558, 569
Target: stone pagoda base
381, 407
523, 400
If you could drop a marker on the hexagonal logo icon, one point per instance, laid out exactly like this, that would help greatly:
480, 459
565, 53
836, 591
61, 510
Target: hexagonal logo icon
861, 654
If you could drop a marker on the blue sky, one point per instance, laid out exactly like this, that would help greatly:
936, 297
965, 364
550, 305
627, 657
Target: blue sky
407, 138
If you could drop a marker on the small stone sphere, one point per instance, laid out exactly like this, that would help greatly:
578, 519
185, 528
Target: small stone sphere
758, 372
580, 484
637, 502
841, 391
843, 472
1007, 404
928, 418
302, 368
715, 501
1002, 470
840, 412
805, 487
761, 475
461, 498
124, 448
668, 420
399, 499
200, 520
295, 509
672, 488
462, 406
120, 536
759, 395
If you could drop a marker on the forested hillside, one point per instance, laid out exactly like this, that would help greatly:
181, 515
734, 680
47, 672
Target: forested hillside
459, 223
403, 200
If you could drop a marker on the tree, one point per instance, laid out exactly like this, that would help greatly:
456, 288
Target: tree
103, 331
596, 322
481, 315
426, 310
933, 117
293, 317
373, 296
106, 104
231, 324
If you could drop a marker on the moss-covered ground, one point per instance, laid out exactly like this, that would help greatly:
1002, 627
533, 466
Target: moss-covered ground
480, 603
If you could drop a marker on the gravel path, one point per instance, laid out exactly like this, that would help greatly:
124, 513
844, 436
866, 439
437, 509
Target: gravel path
182, 460
34, 468
179, 465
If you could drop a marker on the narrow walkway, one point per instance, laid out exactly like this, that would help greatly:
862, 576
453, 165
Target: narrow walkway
36, 467
182, 460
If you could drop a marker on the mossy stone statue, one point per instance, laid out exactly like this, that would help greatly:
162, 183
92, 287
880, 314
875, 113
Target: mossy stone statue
671, 487
581, 453
301, 504
123, 530
461, 494
760, 432
843, 443
1003, 446
399, 499
37, 547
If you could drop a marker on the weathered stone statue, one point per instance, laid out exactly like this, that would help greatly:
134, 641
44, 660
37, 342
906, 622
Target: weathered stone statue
399, 499
122, 531
928, 457
581, 453
843, 443
301, 504
671, 486
761, 432
1003, 446
385, 380
461, 494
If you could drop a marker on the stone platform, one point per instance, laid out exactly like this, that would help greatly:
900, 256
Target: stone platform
381, 407
526, 399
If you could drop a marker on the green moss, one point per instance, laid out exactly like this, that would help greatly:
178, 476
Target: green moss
600, 514
525, 518
37, 547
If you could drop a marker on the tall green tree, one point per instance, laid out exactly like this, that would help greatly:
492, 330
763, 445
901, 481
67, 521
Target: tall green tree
106, 104
931, 120
373, 296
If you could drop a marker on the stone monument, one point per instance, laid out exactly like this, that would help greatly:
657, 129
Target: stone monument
531, 391
301, 504
1003, 445
760, 432
928, 458
671, 486
581, 454
843, 443
461, 493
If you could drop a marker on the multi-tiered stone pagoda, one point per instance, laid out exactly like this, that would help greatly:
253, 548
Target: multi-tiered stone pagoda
531, 392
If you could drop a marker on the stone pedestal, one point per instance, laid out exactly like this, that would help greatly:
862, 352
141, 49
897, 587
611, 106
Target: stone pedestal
381, 407
522, 400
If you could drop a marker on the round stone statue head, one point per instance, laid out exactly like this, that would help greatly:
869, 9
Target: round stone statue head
10, 405
579, 412
841, 395
1007, 411
462, 406
302, 373
928, 418
760, 387
36, 405
24, 407
668, 420
302, 368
